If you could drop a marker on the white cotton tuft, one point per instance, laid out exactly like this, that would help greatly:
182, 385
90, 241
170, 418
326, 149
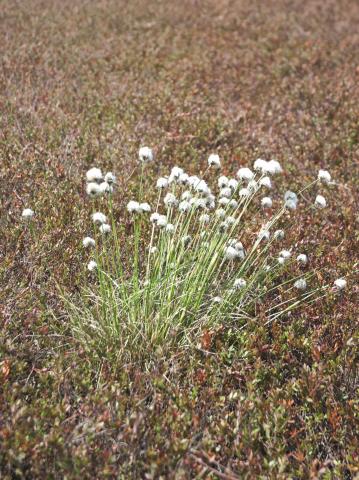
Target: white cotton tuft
302, 258
300, 284
204, 218
183, 178
162, 182
273, 167
266, 202
27, 213
239, 283
184, 206
220, 213
260, 165
230, 253
170, 200
223, 201
233, 184
217, 299
105, 228
214, 161
92, 265
133, 207
324, 176
340, 283
110, 178
93, 189
265, 182
245, 173
225, 192
279, 234
145, 155
244, 192
105, 187
233, 203
144, 207
94, 175
170, 228
223, 181
264, 235
285, 254
290, 200
154, 217
88, 242
162, 221
99, 218
320, 201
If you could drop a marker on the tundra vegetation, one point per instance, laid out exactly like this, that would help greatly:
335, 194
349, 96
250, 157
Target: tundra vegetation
179, 238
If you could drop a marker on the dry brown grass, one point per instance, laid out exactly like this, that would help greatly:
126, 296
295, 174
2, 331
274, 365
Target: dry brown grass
85, 82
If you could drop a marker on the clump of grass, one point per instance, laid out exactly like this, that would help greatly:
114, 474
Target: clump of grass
201, 257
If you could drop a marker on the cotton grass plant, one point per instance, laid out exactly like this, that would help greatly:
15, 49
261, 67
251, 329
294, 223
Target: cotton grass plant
207, 252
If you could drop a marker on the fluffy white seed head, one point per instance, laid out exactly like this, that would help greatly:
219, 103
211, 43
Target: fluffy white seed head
285, 254
253, 186
93, 189
324, 176
266, 202
220, 213
184, 206
230, 253
260, 165
88, 242
233, 203
224, 201
214, 161
279, 234
230, 220
105, 187
264, 235
110, 178
273, 167
27, 213
225, 192
145, 155
245, 173
300, 284
320, 201
302, 258
200, 203
233, 184
170, 228
133, 207
99, 218
154, 217
183, 178
94, 175
193, 180
204, 218
340, 283
223, 181
290, 200
265, 182
162, 221
170, 200
281, 260
92, 265
202, 187
144, 207
244, 192
217, 299
153, 250
162, 182
105, 228
186, 195
239, 283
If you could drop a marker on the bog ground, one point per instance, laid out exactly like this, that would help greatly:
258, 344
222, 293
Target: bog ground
86, 83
